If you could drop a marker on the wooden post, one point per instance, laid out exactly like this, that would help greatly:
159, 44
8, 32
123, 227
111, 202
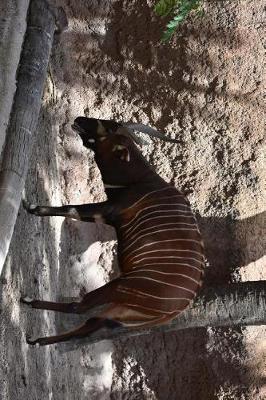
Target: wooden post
24, 116
236, 304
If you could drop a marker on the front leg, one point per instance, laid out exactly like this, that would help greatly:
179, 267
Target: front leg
98, 212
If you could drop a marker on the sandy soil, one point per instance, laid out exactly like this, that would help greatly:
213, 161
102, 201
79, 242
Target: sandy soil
205, 88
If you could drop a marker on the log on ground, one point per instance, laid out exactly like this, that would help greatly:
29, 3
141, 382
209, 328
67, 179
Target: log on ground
236, 304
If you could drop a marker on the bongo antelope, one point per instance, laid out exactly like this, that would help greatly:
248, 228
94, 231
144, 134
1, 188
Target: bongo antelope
160, 250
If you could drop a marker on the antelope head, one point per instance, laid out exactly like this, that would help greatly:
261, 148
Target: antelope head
116, 154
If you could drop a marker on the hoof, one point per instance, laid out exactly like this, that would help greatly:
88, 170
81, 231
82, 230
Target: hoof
30, 208
31, 342
26, 300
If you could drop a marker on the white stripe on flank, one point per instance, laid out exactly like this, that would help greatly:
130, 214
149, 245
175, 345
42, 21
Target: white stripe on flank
171, 213
159, 231
138, 293
137, 324
131, 291
179, 258
159, 217
162, 273
169, 263
157, 281
175, 250
160, 242
152, 309
147, 194
164, 224
145, 308
158, 205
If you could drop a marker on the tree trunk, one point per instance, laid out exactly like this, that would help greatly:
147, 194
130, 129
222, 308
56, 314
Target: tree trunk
12, 30
237, 304
24, 116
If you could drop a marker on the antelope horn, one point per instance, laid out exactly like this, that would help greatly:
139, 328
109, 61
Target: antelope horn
149, 131
130, 132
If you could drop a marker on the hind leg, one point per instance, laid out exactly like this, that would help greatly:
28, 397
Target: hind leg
122, 309
92, 299
92, 325
113, 317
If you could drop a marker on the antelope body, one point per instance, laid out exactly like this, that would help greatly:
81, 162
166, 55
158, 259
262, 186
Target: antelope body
160, 250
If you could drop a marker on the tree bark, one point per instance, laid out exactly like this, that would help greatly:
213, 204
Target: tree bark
12, 30
237, 304
24, 116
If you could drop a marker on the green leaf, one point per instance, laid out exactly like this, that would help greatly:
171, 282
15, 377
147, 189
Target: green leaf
164, 7
181, 9
175, 21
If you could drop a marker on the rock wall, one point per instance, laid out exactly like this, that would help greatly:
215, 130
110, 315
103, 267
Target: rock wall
205, 88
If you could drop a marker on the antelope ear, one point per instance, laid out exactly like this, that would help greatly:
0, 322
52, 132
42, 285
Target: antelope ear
121, 152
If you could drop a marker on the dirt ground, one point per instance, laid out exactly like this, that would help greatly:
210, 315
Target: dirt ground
205, 88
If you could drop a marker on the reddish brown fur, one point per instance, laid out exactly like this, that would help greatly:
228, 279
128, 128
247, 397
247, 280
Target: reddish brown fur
160, 250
